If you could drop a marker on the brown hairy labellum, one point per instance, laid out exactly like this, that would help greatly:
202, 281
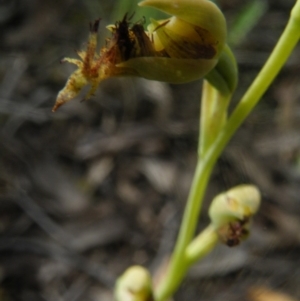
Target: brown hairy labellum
127, 42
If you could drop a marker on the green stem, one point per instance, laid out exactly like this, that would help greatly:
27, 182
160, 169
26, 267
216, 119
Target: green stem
206, 137
277, 59
179, 264
208, 94
218, 87
202, 244
213, 116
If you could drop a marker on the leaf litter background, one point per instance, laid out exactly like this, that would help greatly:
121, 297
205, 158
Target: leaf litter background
101, 185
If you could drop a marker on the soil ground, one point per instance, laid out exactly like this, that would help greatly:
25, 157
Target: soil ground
101, 185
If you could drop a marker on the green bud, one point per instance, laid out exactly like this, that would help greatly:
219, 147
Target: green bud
230, 212
134, 285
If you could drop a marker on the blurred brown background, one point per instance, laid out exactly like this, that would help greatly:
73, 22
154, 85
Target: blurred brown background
101, 185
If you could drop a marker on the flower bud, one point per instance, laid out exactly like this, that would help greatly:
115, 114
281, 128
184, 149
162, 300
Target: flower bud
134, 285
230, 212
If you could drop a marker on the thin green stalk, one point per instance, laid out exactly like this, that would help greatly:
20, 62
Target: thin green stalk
277, 59
203, 244
218, 87
208, 97
213, 116
179, 264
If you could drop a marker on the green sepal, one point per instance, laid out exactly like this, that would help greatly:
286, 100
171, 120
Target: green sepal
224, 76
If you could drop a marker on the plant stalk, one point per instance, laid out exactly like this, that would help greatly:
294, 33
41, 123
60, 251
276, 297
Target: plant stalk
179, 264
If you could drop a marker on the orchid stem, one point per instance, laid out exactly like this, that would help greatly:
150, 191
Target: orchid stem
179, 264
